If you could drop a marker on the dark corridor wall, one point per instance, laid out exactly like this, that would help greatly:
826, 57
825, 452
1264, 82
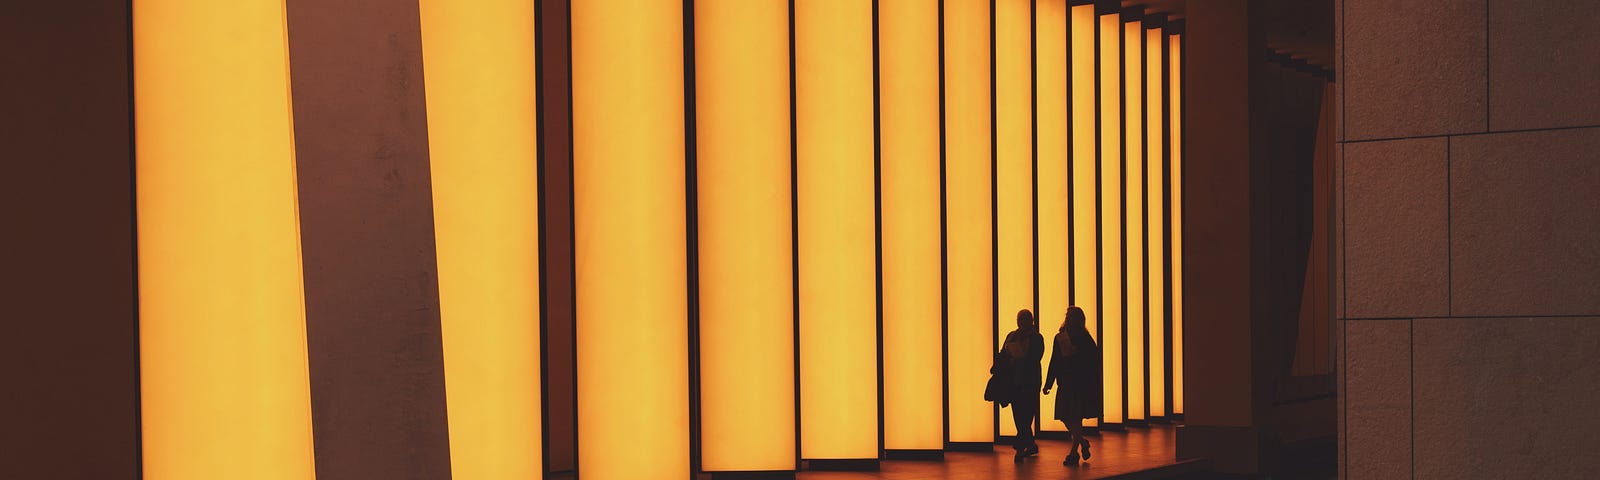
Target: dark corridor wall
1470, 238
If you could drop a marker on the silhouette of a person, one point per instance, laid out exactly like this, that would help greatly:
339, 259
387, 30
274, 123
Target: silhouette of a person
1025, 347
1075, 365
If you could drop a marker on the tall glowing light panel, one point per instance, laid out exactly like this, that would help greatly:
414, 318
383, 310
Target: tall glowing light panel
908, 69
745, 252
838, 277
968, 223
1154, 217
1175, 111
1133, 255
629, 225
1111, 286
480, 73
1085, 183
1013, 169
1050, 100
224, 391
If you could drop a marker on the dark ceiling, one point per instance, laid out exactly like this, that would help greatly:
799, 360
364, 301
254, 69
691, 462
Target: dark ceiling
1302, 29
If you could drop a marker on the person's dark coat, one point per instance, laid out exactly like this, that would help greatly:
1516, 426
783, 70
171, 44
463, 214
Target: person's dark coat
1075, 365
1026, 369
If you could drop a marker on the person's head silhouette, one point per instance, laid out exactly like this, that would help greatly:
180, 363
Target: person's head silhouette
1025, 320
1075, 320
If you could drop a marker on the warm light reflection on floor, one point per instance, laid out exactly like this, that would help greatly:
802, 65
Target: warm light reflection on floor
1115, 453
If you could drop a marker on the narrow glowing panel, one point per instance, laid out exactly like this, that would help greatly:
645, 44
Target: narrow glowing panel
1133, 255
745, 250
838, 278
223, 376
1050, 36
1013, 169
628, 204
1175, 110
1155, 213
967, 217
482, 112
1111, 213
908, 69
1085, 227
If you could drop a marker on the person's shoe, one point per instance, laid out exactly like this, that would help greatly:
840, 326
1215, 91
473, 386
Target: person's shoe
1084, 444
1071, 459
1018, 457
1031, 450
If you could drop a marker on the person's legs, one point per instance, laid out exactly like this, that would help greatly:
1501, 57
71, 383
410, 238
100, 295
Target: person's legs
1022, 415
1025, 434
1075, 434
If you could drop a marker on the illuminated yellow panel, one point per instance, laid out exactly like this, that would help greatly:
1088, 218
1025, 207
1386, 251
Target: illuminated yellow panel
1050, 35
1013, 169
482, 115
838, 278
745, 252
908, 69
224, 391
628, 202
1111, 213
1175, 100
1134, 256
1085, 228
967, 217
1155, 254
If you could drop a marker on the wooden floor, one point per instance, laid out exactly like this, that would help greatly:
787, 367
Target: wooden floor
1115, 453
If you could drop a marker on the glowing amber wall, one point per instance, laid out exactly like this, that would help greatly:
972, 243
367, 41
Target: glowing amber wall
1085, 182
1155, 219
1133, 255
628, 201
224, 390
1175, 110
1050, 100
968, 221
479, 67
908, 69
1111, 287
1013, 169
838, 284
746, 276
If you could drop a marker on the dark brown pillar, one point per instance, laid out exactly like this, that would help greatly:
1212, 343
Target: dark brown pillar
366, 230
70, 351
1217, 200
560, 357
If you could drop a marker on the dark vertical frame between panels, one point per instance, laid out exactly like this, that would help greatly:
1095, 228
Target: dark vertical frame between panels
1100, 8
877, 215
794, 233
1033, 140
691, 230
944, 244
1122, 196
1144, 208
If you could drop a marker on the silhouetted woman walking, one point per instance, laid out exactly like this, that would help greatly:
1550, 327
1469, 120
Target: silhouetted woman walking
1075, 365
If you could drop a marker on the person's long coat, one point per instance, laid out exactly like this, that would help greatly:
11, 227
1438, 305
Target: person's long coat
1075, 365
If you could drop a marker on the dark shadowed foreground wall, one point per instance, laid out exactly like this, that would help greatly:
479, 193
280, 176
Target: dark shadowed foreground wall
1471, 238
69, 352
